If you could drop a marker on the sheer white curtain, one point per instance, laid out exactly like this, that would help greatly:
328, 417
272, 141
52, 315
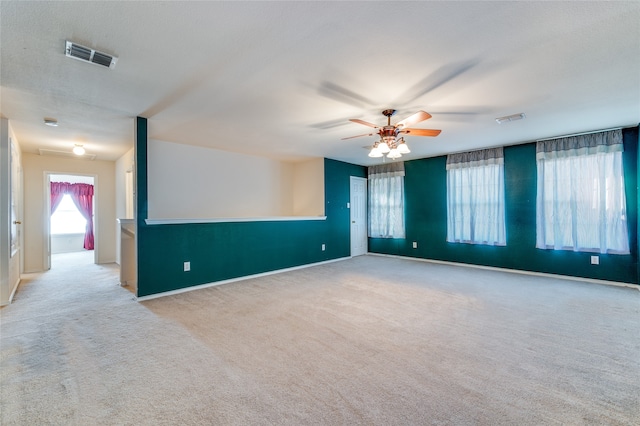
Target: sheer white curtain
386, 200
475, 197
581, 203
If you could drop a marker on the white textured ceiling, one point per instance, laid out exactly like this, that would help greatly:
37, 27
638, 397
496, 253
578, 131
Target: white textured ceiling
281, 79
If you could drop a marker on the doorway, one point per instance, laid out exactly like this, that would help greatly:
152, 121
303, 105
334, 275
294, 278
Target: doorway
358, 213
71, 224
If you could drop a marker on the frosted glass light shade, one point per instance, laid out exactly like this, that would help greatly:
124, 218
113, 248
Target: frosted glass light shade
383, 147
403, 148
78, 150
375, 153
393, 154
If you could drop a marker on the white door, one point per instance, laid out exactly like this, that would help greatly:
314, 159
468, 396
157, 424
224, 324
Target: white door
358, 207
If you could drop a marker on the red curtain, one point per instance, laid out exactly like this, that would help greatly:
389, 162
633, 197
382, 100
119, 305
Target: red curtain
82, 196
58, 189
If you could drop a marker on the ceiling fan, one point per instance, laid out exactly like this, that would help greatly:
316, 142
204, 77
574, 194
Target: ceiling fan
389, 143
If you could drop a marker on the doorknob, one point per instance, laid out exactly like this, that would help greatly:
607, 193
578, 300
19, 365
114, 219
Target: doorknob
17, 222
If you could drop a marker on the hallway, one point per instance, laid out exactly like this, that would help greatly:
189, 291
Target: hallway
73, 277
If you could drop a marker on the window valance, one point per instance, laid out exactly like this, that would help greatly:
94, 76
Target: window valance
393, 169
592, 143
483, 157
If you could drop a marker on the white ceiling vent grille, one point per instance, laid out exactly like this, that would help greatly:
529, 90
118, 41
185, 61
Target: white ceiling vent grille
86, 54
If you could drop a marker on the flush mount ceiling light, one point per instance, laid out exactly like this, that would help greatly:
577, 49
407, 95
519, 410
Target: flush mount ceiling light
78, 150
389, 143
86, 54
51, 122
508, 118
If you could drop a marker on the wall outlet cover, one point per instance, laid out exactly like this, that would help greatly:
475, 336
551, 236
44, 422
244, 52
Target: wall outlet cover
187, 266
595, 260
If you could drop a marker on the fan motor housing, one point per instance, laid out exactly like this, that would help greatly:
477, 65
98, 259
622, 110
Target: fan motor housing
388, 132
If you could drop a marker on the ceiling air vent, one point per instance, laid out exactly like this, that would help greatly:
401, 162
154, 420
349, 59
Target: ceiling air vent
86, 54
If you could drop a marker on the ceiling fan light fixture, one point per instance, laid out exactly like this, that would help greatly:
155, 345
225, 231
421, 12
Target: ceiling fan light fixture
51, 122
389, 142
78, 150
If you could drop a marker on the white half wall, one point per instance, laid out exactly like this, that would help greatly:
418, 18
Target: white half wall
35, 214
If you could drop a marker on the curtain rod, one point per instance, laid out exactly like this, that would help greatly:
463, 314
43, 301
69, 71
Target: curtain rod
579, 134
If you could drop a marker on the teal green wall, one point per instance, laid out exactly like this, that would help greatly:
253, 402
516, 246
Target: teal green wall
426, 221
220, 251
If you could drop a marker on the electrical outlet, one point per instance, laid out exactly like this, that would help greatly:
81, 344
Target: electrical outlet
187, 266
323, 247
595, 260
415, 244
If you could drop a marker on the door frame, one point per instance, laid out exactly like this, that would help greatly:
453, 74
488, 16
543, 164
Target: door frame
46, 248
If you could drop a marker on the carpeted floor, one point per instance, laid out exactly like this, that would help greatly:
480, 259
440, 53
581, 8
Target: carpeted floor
370, 340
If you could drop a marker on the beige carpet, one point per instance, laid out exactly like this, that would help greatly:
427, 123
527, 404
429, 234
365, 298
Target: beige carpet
371, 341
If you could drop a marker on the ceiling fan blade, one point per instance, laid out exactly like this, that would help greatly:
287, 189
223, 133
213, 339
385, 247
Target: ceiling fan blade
341, 94
438, 78
415, 118
358, 136
329, 124
355, 120
420, 132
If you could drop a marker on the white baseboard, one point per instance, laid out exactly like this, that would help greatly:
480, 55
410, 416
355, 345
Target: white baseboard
515, 271
442, 262
233, 280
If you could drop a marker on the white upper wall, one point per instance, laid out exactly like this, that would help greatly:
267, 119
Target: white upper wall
193, 182
124, 167
308, 188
